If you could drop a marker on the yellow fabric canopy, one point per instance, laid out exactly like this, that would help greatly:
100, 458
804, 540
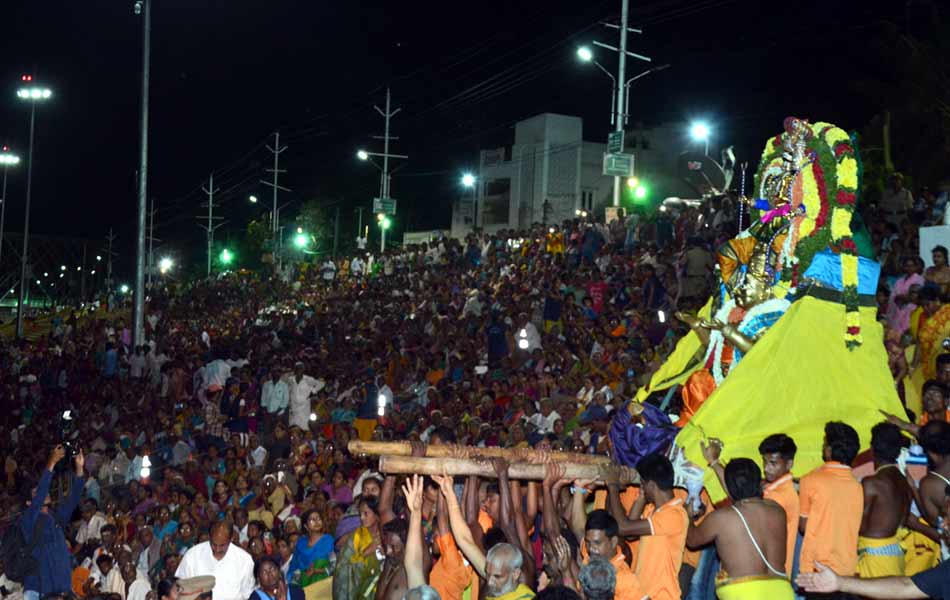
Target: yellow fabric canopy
799, 376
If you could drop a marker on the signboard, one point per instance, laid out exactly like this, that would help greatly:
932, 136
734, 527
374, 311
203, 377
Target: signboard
615, 142
384, 205
618, 165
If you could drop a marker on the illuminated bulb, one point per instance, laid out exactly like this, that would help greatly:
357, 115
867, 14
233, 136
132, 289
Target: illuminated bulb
523, 344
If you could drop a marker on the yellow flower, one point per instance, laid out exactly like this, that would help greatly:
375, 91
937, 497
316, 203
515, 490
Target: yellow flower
848, 173
840, 223
849, 270
835, 136
853, 319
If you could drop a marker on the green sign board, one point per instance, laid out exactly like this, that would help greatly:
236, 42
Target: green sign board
615, 142
618, 165
384, 205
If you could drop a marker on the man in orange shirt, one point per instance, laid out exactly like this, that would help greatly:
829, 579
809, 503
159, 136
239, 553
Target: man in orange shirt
603, 541
662, 534
832, 503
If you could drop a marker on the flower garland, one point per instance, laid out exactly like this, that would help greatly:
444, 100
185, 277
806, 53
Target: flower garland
754, 319
828, 189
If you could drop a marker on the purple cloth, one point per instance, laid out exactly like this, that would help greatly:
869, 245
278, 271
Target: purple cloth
632, 442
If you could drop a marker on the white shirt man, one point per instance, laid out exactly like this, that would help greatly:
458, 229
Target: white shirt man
233, 574
301, 387
328, 269
89, 529
356, 266
361, 243
275, 396
216, 374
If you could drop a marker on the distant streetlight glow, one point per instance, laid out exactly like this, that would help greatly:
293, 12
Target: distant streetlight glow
124, 289
584, 53
699, 131
362, 155
468, 180
165, 264
384, 223
9, 159
226, 257
253, 199
99, 258
300, 240
632, 183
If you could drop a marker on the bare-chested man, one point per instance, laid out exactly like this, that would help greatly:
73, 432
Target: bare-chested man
392, 581
887, 498
750, 537
934, 437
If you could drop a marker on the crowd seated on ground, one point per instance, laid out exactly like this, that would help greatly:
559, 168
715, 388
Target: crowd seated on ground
222, 440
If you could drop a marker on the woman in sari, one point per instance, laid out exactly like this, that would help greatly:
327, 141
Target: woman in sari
312, 554
932, 328
358, 567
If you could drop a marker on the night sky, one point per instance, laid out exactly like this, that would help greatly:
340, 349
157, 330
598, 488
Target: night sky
226, 74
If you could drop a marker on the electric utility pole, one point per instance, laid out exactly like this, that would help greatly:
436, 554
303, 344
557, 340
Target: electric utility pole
384, 181
151, 240
211, 226
138, 312
275, 173
111, 237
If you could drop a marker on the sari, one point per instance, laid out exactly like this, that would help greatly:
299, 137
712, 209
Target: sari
898, 317
931, 331
311, 564
357, 570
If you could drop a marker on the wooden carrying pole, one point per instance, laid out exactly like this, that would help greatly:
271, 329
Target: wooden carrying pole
357, 447
393, 465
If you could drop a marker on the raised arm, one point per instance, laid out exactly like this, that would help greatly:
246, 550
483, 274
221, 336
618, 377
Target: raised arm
578, 516
415, 574
42, 490
386, 496
628, 525
550, 523
460, 529
518, 516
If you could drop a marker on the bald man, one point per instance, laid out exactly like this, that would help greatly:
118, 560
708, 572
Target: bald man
503, 572
232, 567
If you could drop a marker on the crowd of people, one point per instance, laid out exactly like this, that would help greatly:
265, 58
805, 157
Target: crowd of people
219, 447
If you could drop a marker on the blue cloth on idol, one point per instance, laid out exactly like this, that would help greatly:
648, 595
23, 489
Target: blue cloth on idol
825, 268
632, 442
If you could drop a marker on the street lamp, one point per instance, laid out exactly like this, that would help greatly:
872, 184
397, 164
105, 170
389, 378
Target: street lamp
32, 93
252, 199
300, 240
584, 53
124, 289
165, 265
468, 181
699, 131
7, 159
362, 154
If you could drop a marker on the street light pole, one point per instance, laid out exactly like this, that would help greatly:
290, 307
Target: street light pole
24, 281
621, 77
138, 309
7, 159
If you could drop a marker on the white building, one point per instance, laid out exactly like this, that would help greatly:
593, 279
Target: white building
550, 172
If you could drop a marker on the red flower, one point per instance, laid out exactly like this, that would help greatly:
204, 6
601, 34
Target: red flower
842, 148
845, 198
777, 141
854, 330
848, 244
822, 195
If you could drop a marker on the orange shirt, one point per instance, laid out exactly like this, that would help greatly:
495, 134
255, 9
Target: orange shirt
450, 575
485, 520
628, 585
782, 491
833, 502
661, 552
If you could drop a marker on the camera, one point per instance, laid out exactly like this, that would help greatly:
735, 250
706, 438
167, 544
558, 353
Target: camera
68, 434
